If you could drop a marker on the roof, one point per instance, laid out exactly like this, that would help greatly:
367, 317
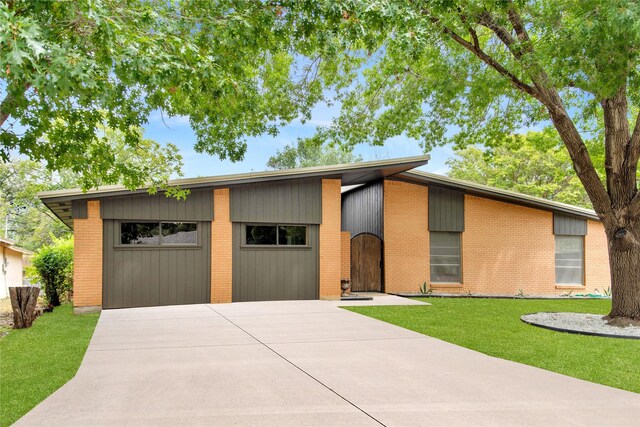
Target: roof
10, 244
59, 202
496, 193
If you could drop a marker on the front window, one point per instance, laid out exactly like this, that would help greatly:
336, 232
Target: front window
276, 235
159, 233
569, 260
445, 257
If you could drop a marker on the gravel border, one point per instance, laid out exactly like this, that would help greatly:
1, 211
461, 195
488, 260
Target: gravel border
580, 323
538, 297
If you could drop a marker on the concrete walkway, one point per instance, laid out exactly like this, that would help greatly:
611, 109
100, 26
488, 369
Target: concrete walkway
307, 363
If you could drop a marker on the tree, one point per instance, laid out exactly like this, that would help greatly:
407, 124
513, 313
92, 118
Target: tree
308, 152
32, 225
69, 67
534, 163
473, 72
29, 222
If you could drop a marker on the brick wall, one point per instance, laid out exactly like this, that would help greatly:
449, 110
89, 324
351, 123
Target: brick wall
345, 254
221, 248
87, 258
596, 258
330, 240
406, 237
506, 247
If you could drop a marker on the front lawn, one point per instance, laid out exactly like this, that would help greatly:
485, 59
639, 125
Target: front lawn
35, 362
493, 327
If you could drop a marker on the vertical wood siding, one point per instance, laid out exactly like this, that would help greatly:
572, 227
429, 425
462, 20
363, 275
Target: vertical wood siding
78, 209
140, 277
446, 210
363, 210
197, 207
293, 202
272, 274
569, 225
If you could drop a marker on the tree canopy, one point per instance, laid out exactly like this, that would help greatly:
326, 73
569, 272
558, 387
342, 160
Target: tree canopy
29, 222
535, 163
69, 67
308, 152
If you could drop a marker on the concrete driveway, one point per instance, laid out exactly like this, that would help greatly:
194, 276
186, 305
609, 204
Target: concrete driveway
307, 363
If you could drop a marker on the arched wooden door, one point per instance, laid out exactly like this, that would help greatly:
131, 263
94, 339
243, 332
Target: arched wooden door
366, 263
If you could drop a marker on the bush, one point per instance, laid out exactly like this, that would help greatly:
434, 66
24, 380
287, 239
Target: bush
53, 265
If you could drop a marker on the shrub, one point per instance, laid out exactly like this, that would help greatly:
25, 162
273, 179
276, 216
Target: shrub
53, 265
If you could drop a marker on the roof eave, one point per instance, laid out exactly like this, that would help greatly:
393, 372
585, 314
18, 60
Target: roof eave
498, 194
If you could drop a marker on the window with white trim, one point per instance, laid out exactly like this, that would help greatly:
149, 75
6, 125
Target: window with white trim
445, 256
569, 260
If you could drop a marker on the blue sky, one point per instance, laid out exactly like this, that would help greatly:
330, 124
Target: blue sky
176, 130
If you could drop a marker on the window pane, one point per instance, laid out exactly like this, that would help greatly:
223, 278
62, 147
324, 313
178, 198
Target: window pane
261, 234
179, 233
569, 260
292, 235
140, 233
445, 257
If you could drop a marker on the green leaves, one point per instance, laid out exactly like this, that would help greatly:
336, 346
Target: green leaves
70, 69
535, 163
311, 152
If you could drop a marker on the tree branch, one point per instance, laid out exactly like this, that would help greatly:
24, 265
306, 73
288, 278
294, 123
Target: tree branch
484, 57
621, 187
545, 92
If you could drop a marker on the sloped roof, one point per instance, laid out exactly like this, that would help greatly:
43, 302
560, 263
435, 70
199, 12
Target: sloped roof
496, 193
11, 245
59, 202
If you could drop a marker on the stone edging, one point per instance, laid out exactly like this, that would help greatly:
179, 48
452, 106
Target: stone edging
577, 332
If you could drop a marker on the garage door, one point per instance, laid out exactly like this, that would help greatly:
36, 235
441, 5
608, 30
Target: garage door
273, 262
150, 263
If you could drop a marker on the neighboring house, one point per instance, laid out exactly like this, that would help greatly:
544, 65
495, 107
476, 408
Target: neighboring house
294, 234
13, 261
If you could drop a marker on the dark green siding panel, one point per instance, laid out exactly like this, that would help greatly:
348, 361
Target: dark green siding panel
274, 274
79, 209
197, 207
446, 210
293, 202
143, 277
569, 225
363, 210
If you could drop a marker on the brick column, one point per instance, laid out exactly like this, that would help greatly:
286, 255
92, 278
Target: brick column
596, 262
330, 240
87, 260
406, 236
221, 248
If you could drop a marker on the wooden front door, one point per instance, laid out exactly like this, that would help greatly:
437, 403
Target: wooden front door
366, 263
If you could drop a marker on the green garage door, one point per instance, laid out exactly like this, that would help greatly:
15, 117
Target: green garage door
150, 263
273, 262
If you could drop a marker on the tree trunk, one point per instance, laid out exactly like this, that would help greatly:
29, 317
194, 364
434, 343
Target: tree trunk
624, 260
23, 303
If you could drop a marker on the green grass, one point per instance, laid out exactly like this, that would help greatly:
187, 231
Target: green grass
493, 327
35, 362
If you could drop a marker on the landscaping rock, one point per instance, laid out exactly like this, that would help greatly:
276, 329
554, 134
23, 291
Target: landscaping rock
581, 323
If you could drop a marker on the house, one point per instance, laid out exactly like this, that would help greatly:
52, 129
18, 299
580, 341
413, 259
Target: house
293, 234
13, 261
